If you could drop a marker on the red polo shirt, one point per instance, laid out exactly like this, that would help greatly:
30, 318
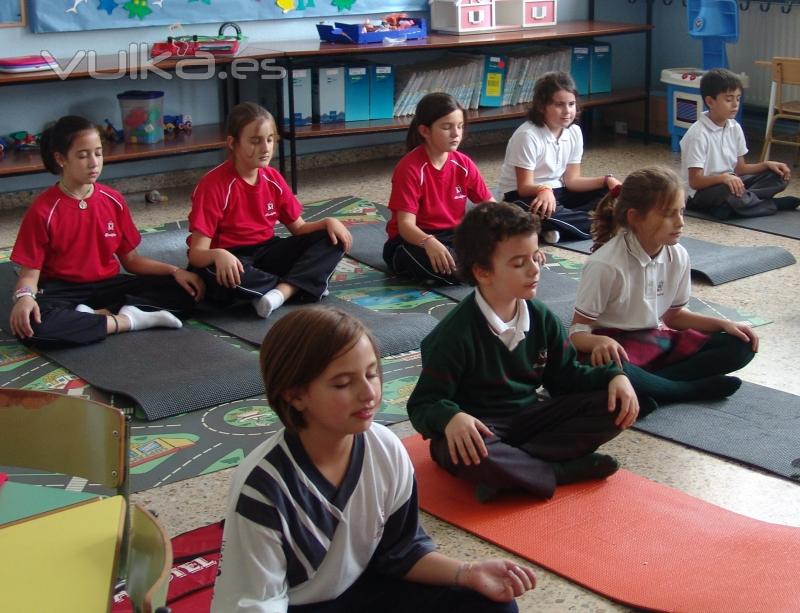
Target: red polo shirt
67, 242
233, 213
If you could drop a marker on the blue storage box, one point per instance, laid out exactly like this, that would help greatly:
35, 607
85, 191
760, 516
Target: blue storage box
600, 69
381, 91
351, 33
580, 68
356, 92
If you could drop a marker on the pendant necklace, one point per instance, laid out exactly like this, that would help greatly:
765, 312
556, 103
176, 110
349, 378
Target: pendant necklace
81, 199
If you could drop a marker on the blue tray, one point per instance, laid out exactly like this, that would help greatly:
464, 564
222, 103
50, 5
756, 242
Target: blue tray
351, 33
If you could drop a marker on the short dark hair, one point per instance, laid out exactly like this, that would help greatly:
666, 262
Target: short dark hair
59, 137
298, 349
430, 109
719, 81
483, 228
546, 87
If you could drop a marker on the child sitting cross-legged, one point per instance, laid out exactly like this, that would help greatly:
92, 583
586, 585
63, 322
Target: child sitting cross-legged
476, 398
323, 515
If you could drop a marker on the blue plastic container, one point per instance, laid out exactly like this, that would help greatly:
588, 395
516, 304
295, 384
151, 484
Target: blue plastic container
350, 33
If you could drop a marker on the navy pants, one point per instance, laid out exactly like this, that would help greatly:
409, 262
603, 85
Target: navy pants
556, 430
756, 201
63, 325
305, 261
373, 592
571, 216
412, 261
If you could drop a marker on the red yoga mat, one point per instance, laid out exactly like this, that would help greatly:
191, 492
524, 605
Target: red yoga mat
631, 540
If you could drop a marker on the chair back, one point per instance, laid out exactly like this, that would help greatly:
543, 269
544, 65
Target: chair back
149, 562
785, 71
65, 434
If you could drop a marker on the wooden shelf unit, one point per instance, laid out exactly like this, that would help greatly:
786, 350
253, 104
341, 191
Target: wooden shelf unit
299, 51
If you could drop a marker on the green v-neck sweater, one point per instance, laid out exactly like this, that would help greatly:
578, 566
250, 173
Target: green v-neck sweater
465, 367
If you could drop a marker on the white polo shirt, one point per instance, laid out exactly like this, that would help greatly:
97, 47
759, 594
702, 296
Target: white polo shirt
536, 148
715, 149
623, 287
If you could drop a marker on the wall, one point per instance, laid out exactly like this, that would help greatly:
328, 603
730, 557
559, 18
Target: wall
29, 107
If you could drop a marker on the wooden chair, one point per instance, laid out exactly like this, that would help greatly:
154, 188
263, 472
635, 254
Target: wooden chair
785, 71
69, 435
149, 563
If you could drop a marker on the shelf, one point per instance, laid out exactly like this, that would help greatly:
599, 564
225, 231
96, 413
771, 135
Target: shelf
566, 30
201, 138
396, 124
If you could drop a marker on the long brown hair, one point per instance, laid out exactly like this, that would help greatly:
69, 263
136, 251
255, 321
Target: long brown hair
298, 349
59, 138
546, 87
431, 108
642, 190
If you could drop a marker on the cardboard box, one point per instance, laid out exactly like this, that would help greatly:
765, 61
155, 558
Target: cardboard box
581, 68
381, 91
600, 69
356, 93
301, 84
330, 105
494, 76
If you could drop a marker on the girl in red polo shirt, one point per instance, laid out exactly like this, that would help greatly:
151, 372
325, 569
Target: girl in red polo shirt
70, 246
235, 207
430, 188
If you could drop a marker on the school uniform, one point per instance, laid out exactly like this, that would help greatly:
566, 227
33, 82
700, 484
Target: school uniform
472, 363
537, 149
717, 149
241, 218
626, 294
74, 244
294, 542
438, 198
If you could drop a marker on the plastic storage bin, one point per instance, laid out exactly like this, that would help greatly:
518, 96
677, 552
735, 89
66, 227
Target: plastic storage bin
142, 116
351, 33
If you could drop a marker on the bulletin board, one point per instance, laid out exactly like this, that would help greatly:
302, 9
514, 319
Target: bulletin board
79, 15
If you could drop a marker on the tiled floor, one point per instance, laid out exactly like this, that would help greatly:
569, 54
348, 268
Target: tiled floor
773, 295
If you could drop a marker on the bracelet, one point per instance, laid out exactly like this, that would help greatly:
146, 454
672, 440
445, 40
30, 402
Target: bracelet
463, 569
606, 178
23, 291
425, 240
541, 188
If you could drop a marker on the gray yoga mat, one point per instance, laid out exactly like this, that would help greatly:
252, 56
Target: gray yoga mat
718, 263
395, 332
166, 246
758, 425
782, 223
164, 371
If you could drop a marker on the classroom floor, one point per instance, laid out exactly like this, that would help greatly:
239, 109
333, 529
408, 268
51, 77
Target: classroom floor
773, 295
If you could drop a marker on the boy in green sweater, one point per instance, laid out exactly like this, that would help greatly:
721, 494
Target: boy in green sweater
482, 364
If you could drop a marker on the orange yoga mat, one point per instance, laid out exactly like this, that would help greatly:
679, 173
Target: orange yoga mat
631, 540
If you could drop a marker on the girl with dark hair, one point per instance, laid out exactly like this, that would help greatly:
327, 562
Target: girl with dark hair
631, 304
542, 166
430, 188
235, 208
323, 515
70, 246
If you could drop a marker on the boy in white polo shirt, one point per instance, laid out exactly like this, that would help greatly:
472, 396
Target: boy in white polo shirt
717, 178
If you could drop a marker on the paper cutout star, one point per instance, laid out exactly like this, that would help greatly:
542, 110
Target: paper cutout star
107, 5
343, 5
137, 8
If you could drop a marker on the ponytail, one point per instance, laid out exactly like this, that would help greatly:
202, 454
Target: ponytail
603, 224
413, 138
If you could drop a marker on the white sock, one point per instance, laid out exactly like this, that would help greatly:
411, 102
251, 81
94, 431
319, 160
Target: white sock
84, 308
142, 320
268, 303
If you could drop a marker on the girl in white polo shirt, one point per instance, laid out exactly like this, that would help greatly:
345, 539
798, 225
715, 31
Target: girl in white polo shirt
631, 304
542, 166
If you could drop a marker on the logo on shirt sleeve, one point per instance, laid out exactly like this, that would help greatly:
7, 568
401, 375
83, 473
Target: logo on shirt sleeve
110, 232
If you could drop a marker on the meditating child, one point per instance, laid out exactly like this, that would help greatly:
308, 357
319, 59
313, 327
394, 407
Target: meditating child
430, 188
323, 515
235, 208
481, 366
542, 166
631, 304
70, 246
717, 178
